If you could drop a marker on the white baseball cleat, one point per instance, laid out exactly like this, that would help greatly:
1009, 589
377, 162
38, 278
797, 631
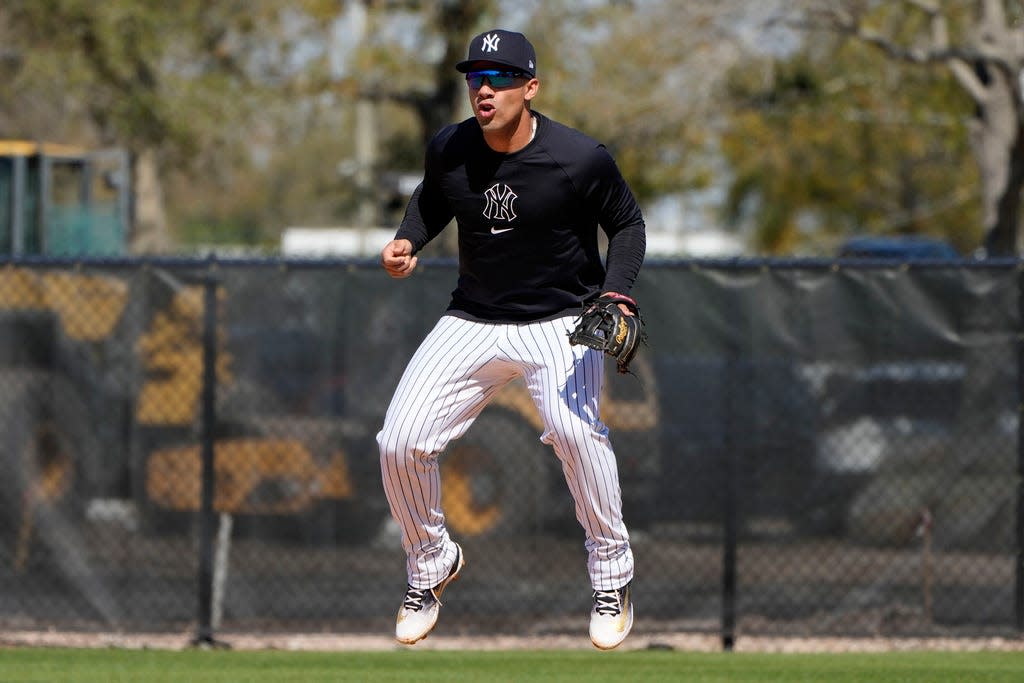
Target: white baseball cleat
418, 613
612, 617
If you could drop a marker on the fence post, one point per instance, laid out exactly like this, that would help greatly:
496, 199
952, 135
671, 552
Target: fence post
1019, 568
729, 513
729, 558
204, 632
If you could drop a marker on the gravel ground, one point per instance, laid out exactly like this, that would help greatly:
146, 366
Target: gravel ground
350, 642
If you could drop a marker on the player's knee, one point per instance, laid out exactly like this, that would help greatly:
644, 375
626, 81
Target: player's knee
400, 451
388, 446
570, 438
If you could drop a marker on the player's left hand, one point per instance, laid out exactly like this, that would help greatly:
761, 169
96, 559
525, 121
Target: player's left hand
612, 324
624, 307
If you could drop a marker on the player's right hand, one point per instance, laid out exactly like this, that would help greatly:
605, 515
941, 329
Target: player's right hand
397, 258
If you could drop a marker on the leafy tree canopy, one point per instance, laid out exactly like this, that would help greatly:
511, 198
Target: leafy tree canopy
836, 140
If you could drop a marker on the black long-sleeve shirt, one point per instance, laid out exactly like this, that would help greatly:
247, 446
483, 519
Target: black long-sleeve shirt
527, 221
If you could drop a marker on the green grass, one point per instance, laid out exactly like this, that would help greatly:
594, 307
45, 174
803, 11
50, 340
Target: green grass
549, 666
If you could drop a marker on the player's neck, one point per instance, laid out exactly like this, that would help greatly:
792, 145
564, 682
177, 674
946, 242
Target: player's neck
508, 141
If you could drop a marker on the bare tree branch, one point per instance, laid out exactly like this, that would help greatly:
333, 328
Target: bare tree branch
959, 58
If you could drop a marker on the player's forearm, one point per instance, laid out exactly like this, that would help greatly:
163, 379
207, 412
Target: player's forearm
423, 220
626, 249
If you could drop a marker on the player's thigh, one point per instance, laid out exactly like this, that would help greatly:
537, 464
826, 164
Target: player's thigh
446, 383
564, 381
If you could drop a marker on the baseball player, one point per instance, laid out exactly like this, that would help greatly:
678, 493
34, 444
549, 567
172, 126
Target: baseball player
528, 195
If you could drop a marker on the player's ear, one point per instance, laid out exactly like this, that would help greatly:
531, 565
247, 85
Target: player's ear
532, 86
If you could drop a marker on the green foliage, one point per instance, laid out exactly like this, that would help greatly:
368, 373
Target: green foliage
112, 58
622, 78
250, 117
837, 140
208, 86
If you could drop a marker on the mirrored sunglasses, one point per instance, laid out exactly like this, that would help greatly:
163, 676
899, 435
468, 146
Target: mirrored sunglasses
497, 79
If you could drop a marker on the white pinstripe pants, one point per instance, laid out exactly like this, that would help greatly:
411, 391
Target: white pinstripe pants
459, 366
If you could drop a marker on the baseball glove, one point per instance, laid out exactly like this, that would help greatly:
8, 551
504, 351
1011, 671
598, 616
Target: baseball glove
603, 326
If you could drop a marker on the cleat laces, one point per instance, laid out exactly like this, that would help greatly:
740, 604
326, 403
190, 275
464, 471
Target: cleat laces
414, 598
606, 603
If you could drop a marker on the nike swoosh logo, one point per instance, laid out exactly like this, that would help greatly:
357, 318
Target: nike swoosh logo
495, 231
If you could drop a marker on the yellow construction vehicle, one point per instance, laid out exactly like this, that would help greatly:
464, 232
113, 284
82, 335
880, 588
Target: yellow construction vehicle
55, 200
84, 385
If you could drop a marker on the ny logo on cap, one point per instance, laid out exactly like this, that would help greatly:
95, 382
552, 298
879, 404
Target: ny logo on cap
491, 42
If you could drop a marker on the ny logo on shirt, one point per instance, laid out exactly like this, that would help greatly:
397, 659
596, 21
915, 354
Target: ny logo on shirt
500, 203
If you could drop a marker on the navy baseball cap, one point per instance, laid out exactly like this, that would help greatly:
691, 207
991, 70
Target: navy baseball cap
499, 46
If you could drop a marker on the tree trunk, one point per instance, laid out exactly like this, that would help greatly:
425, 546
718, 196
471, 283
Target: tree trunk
997, 139
150, 234
1008, 209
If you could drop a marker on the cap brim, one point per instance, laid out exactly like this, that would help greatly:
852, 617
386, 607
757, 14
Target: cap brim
480, 64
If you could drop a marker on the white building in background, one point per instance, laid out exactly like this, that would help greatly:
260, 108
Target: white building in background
695, 244
311, 242
686, 225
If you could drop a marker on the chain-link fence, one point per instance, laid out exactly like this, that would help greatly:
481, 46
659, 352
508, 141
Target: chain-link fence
806, 448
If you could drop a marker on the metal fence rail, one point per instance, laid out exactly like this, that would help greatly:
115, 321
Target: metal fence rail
808, 448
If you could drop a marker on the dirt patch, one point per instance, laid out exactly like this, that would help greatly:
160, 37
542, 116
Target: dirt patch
319, 642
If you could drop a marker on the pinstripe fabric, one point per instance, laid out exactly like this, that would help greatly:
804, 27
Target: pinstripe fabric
459, 366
